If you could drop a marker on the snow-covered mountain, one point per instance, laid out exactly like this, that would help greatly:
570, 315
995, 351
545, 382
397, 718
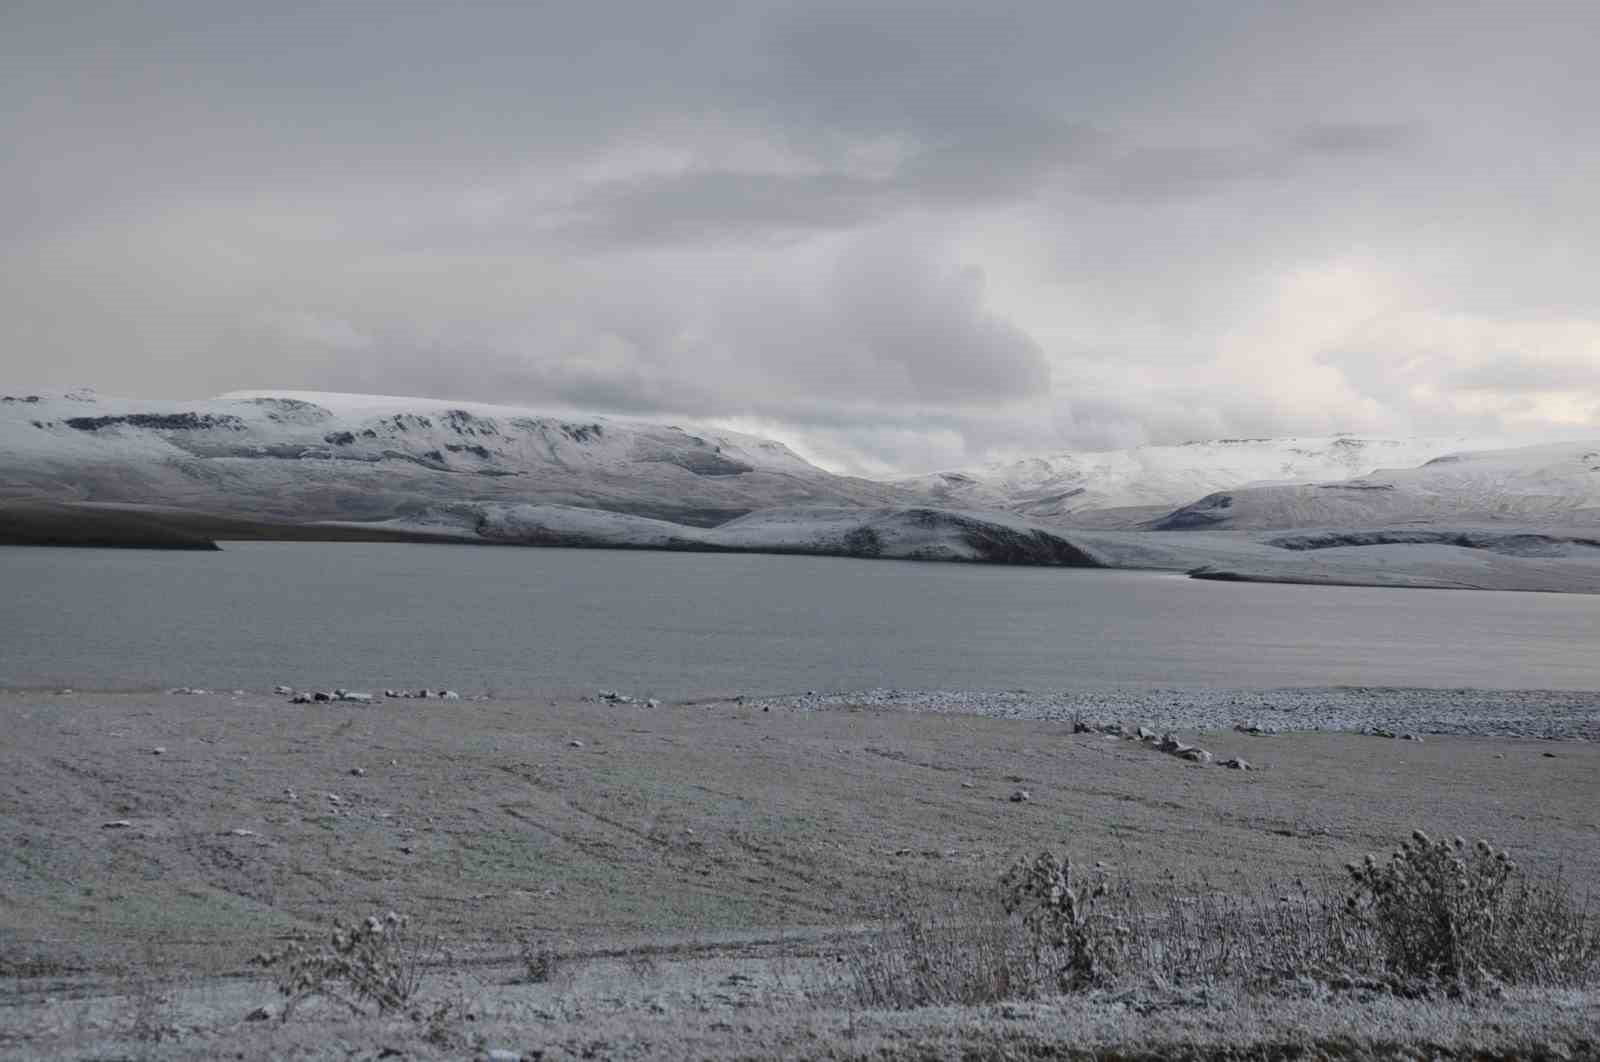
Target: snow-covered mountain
1059, 487
83, 469
301, 456
1549, 485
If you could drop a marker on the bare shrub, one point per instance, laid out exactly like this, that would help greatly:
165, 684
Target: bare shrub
378, 961
1441, 911
1437, 915
538, 960
1068, 927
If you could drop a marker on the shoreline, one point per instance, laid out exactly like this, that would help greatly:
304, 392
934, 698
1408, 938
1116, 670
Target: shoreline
1439, 711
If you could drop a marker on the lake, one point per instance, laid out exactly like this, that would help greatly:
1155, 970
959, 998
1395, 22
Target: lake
677, 625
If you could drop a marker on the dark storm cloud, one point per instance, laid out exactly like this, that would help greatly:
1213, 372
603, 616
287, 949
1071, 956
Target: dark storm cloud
899, 234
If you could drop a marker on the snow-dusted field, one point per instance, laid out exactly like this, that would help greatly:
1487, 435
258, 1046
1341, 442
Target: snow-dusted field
696, 872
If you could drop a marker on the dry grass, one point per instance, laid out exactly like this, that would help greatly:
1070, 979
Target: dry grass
1435, 919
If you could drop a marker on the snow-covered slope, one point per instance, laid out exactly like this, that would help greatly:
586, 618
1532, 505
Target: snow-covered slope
1057, 487
299, 456
905, 533
1550, 485
1487, 559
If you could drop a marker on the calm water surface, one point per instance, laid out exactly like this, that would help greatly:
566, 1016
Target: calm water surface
687, 625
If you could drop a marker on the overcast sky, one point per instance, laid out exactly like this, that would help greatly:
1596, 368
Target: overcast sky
899, 236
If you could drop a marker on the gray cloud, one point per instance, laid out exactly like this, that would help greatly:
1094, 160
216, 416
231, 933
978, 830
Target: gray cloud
897, 234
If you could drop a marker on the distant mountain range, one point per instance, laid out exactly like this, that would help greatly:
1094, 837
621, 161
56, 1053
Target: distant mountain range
1064, 487
286, 464
1554, 484
299, 456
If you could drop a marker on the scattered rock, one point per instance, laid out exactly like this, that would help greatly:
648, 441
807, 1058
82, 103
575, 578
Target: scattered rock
1144, 733
187, 690
1548, 755
241, 833
1254, 728
1021, 796
358, 698
1411, 737
283, 690
359, 772
301, 698
259, 1014
1237, 764
574, 744
1194, 755
116, 824
652, 703
335, 798
612, 697
319, 696
448, 695
501, 1054
968, 785
158, 751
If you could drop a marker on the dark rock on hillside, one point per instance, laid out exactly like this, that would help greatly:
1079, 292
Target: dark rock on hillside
159, 422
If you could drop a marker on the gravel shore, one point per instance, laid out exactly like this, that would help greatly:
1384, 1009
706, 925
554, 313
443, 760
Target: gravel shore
1547, 714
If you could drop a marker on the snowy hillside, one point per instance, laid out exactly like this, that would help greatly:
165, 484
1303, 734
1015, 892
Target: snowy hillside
300, 456
1054, 488
1551, 485
905, 533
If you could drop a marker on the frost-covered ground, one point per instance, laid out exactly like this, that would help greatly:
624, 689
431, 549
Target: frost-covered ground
697, 873
1547, 714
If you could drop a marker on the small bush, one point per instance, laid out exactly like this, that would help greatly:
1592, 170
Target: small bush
1441, 911
376, 962
1064, 919
538, 961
